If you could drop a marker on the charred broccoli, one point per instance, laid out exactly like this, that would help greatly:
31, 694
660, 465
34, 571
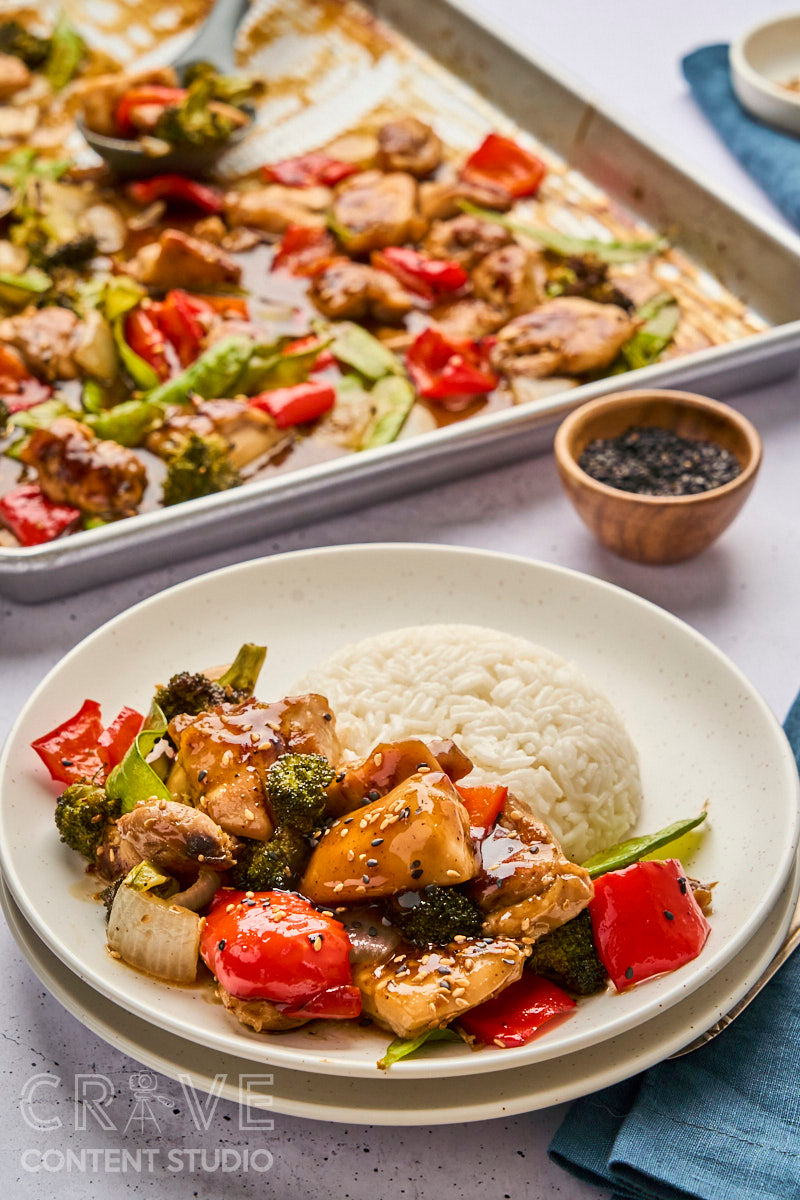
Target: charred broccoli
74, 253
296, 786
4, 414
200, 119
82, 813
193, 694
200, 468
567, 956
439, 915
278, 863
17, 40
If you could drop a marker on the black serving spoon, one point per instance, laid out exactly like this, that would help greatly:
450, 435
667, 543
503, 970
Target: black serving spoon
214, 44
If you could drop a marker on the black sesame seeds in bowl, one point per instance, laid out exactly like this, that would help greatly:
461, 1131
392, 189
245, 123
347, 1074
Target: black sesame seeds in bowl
657, 475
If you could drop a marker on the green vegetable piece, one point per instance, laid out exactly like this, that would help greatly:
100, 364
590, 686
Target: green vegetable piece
440, 914
127, 423
64, 58
135, 779
146, 877
278, 863
211, 376
14, 451
114, 295
269, 368
296, 786
242, 675
393, 398
93, 397
32, 281
88, 522
202, 467
82, 812
358, 349
42, 415
625, 853
24, 164
140, 371
613, 251
661, 315
568, 957
15, 39
403, 1047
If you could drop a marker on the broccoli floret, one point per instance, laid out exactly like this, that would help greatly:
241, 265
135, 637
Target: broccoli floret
439, 915
195, 122
200, 468
15, 39
567, 956
193, 694
74, 253
296, 786
278, 863
82, 813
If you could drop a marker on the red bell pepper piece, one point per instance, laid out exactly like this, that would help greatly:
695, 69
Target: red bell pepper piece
646, 921
183, 319
226, 306
115, 742
18, 388
179, 188
145, 338
309, 170
304, 250
502, 162
483, 804
428, 277
337, 1003
441, 369
70, 750
296, 405
513, 1017
34, 519
324, 358
148, 95
276, 946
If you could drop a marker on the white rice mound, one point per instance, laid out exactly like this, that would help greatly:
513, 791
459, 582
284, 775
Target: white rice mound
526, 717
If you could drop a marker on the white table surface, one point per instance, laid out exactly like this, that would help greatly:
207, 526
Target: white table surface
743, 594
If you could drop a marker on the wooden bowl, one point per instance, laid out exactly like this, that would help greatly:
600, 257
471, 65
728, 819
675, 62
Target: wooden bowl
656, 529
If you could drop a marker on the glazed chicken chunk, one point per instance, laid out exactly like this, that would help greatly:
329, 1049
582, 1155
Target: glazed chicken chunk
511, 279
440, 199
565, 336
275, 208
527, 887
417, 990
354, 290
250, 433
372, 210
14, 76
468, 319
74, 467
47, 338
408, 144
416, 835
388, 765
178, 260
465, 240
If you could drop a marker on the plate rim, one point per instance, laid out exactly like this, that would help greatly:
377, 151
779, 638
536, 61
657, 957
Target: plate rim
416, 1114
329, 1062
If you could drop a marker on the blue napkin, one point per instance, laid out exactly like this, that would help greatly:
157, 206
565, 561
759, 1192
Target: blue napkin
722, 1123
771, 157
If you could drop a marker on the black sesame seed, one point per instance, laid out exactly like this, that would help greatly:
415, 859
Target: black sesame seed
658, 462
340, 777
201, 775
416, 863
405, 814
417, 874
221, 945
682, 882
374, 794
376, 842
443, 970
670, 916
447, 985
67, 762
420, 766
365, 878
348, 820
372, 931
372, 862
629, 973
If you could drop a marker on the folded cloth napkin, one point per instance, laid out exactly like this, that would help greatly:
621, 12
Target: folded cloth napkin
771, 157
722, 1123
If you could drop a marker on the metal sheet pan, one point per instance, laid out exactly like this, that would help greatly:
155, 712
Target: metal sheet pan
749, 255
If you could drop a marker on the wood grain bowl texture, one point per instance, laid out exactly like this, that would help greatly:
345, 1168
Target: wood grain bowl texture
656, 529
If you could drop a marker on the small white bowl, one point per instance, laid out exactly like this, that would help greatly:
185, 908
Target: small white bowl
763, 61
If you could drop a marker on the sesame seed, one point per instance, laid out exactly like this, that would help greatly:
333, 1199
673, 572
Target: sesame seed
670, 916
460, 937
447, 985
221, 944
452, 874
249, 814
372, 862
351, 855
418, 873
459, 991
360, 888
374, 794
338, 887
344, 832
416, 863
347, 820
365, 878
682, 883
376, 842
229, 907
316, 941
629, 973
378, 759
249, 895
423, 769
509, 961
327, 716
444, 970
372, 931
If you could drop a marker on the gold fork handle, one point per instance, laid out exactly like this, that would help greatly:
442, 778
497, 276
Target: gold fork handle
789, 945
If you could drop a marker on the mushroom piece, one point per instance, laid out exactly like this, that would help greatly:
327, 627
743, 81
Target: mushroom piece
565, 336
416, 835
417, 990
176, 837
408, 144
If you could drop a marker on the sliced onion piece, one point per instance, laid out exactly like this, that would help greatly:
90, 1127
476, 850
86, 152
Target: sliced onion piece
154, 935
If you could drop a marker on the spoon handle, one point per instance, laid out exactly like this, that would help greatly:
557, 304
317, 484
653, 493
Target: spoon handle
214, 39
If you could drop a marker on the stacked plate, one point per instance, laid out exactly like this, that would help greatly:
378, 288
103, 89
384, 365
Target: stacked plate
702, 733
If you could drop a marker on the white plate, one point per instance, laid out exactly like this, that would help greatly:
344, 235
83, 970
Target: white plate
411, 1101
702, 732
